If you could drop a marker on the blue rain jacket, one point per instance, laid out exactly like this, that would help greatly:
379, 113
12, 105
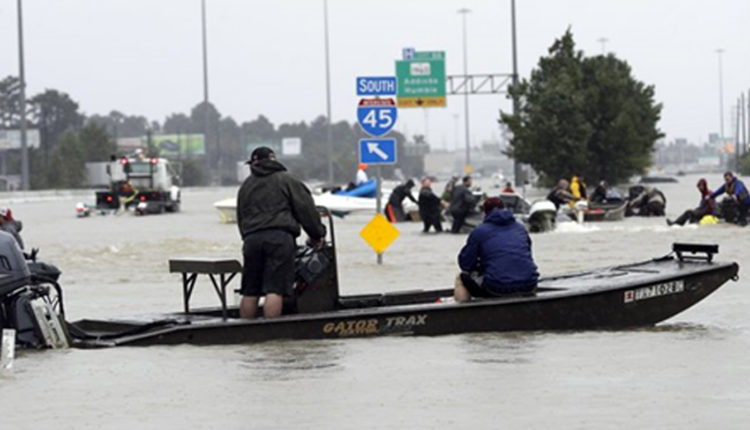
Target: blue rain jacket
500, 249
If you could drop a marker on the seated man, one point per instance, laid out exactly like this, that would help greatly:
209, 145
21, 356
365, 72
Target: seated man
736, 191
496, 259
706, 206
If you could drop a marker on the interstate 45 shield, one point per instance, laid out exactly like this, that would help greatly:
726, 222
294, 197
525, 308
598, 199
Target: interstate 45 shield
377, 116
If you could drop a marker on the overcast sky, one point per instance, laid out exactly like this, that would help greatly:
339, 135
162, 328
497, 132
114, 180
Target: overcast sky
266, 57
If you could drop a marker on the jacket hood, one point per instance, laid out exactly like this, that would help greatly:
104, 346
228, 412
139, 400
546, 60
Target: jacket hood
266, 167
500, 217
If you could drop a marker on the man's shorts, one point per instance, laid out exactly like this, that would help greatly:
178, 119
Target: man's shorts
269, 263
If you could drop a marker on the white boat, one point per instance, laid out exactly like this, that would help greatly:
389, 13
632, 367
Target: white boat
338, 205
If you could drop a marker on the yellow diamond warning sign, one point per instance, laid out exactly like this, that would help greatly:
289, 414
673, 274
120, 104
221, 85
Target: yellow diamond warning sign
379, 233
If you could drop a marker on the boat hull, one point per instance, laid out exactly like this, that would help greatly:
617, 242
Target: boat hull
614, 298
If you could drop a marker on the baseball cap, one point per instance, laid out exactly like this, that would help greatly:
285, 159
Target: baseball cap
260, 153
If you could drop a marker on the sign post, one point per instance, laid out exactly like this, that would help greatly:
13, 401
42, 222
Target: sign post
377, 116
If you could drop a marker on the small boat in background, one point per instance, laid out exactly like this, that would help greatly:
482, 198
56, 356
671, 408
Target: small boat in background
610, 211
657, 180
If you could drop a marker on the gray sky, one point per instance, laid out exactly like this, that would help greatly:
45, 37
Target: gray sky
144, 56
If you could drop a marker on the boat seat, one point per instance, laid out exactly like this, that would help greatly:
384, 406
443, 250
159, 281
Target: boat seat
190, 268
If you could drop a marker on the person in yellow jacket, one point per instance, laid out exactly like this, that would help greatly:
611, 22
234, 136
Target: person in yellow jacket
577, 187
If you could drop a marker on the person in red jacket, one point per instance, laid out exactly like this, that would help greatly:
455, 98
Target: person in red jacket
707, 206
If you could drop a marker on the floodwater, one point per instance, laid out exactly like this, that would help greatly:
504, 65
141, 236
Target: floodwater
690, 372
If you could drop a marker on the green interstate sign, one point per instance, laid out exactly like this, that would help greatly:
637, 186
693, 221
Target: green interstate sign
421, 80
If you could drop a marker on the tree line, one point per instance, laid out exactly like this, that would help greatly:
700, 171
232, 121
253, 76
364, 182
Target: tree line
69, 138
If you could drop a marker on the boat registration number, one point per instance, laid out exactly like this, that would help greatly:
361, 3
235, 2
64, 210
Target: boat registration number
663, 289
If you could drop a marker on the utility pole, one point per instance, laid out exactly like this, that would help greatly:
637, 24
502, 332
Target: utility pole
205, 89
719, 52
22, 78
205, 52
737, 134
743, 117
517, 169
329, 132
464, 12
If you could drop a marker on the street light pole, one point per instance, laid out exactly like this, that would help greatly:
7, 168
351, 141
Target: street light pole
22, 78
464, 12
517, 169
721, 98
329, 132
205, 52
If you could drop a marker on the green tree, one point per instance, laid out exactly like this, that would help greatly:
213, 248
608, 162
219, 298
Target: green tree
586, 115
95, 143
10, 102
66, 168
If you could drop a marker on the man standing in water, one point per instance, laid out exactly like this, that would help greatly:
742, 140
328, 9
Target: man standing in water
271, 206
462, 204
429, 207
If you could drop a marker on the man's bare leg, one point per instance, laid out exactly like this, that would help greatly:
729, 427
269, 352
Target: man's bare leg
460, 293
272, 306
248, 307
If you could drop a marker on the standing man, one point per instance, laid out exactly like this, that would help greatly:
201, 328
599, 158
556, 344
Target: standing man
271, 206
429, 207
394, 210
738, 192
462, 204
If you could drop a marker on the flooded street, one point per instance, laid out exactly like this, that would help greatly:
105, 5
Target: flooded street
690, 372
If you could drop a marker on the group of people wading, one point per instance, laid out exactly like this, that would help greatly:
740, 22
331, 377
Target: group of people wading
457, 200
273, 207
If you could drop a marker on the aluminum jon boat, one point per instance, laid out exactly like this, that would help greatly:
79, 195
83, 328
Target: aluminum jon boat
617, 297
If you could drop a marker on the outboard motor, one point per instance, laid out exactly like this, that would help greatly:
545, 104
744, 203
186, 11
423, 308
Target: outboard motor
26, 304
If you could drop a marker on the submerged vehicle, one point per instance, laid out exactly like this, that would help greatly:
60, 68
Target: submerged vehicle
616, 297
149, 186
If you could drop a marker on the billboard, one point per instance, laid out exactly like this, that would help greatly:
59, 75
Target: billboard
179, 144
291, 146
11, 139
169, 145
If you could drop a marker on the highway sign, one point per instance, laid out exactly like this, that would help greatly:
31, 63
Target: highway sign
377, 151
376, 86
421, 80
377, 116
379, 233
